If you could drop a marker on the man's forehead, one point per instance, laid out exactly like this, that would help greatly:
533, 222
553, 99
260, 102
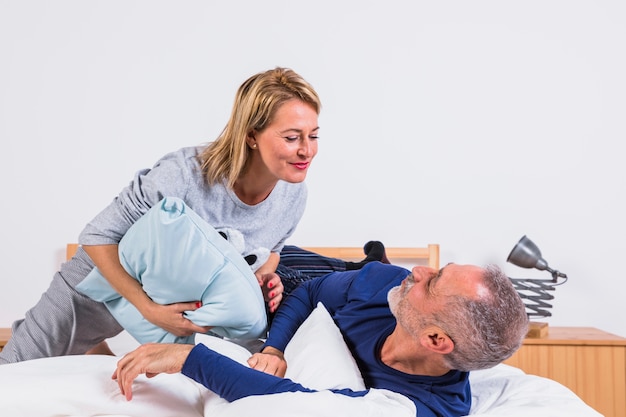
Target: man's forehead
464, 278
458, 270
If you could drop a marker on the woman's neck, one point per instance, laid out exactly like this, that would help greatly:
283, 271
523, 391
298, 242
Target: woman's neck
252, 189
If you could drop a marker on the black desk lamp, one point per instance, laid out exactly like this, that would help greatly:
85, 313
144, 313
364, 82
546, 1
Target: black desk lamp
534, 292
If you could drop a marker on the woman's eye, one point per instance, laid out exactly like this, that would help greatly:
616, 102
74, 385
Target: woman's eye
292, 138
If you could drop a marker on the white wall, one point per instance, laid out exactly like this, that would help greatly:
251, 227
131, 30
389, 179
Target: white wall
467, 124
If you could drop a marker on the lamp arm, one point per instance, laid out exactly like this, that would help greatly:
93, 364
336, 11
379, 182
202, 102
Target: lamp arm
534, 294
556, 275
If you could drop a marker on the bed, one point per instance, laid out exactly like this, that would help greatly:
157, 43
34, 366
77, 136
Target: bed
317, 356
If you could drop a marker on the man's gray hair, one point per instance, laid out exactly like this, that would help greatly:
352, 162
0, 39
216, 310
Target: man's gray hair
485, 330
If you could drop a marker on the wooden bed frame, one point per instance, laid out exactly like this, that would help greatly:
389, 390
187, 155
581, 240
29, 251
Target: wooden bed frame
428, 255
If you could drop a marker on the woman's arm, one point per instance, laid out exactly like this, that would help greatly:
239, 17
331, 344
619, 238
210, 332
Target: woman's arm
168, 317
269, 266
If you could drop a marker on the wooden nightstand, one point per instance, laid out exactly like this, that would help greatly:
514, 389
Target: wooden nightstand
590, 362
5, 333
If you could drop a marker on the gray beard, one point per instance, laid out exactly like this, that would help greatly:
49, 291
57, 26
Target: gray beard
393, 298
396, 295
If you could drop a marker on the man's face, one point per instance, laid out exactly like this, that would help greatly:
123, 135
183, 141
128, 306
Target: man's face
424, 291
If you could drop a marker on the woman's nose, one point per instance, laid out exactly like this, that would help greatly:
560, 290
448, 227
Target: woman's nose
306, 148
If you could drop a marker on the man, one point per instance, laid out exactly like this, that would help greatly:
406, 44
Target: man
418, 334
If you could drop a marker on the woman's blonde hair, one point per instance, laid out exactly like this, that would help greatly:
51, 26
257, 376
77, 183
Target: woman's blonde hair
256, 103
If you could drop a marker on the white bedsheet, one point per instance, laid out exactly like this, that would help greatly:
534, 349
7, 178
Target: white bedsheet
82, 386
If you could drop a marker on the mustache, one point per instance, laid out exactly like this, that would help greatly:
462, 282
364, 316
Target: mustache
409, 283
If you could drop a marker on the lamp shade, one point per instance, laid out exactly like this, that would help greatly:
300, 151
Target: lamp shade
534, 292
527, 255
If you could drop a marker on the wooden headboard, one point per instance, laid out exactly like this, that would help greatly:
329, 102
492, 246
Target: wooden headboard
428, 255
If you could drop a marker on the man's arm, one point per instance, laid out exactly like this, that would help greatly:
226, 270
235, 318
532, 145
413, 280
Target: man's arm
222, 375
232, 381
331, 290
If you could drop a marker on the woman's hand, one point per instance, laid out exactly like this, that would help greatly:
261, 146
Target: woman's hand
272, 288
168, 317
171, 317
271, 285
270, 360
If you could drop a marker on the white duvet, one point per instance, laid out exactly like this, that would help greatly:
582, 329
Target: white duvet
317, 357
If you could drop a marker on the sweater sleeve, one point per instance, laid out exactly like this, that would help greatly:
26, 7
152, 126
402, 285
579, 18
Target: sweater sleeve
331, 290
232, 380
169, 177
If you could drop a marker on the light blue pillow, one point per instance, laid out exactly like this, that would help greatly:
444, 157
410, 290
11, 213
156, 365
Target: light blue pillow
177, 257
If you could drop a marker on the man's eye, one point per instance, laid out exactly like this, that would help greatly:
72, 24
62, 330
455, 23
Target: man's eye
431, 283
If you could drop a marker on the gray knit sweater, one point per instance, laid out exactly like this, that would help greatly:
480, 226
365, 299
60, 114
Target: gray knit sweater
264, 226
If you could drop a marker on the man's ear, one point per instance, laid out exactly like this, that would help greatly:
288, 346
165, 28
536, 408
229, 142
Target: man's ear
436, 340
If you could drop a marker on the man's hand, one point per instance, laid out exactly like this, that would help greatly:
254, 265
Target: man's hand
150, 359
270, 360
272, 288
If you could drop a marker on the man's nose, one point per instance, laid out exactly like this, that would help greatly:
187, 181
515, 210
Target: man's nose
421, 271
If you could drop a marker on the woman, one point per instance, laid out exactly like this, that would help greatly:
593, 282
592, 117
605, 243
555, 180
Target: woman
250, 179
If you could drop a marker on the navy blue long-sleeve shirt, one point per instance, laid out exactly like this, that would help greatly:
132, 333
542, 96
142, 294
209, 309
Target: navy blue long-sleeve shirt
357, 301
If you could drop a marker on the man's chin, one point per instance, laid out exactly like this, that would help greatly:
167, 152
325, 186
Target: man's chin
393, 298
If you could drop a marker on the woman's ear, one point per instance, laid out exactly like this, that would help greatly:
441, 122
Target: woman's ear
251, 139
436, 340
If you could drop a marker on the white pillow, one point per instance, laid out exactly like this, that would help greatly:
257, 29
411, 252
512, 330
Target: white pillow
177, 256
376, 403
318, 358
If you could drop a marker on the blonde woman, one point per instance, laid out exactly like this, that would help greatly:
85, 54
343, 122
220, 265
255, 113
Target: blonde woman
250, 179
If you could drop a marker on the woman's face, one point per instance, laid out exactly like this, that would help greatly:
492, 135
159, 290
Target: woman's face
288, 144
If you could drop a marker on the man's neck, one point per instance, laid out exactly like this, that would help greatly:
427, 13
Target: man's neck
406, 354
